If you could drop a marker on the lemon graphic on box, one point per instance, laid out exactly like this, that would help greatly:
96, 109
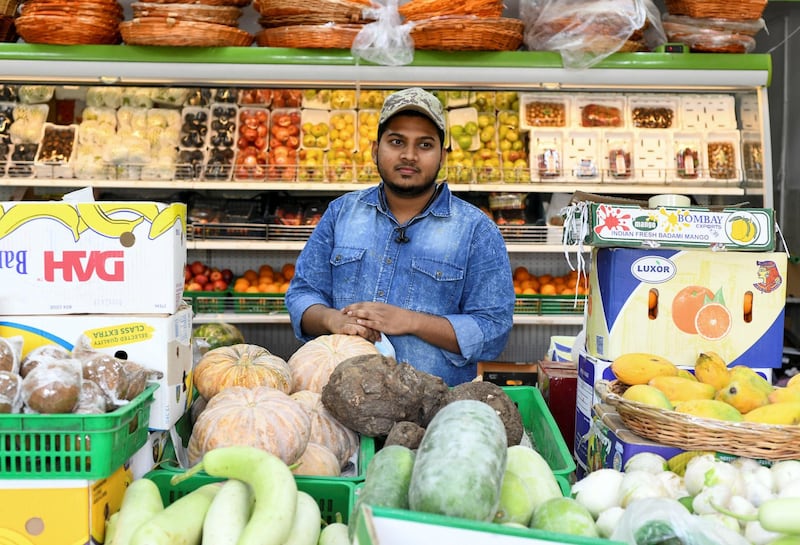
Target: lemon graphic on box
742, 228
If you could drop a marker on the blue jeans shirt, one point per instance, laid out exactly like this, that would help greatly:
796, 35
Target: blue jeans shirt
454, 264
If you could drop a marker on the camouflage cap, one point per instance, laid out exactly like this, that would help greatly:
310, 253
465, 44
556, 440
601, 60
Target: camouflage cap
414, 99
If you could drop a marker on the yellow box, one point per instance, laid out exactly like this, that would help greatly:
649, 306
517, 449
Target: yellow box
59, 512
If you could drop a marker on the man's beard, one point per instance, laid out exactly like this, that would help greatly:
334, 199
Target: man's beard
406, 191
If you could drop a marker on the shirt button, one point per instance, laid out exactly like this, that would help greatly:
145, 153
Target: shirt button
388, 260
380, 293
438, 274
337, 258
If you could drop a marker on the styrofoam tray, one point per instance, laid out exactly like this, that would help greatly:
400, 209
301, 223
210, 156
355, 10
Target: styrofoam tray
653, 111
547, 155
650, 153
45, 168
582, 155
723, 156
315, 129
617, 152
463, 117
343, 131
544, 110
596, 111
686, 145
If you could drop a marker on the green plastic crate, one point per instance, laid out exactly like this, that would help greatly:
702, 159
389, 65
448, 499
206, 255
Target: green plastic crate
539, 305
259, 303
73, 446
366, 451
334, 497
538, 421
207, 302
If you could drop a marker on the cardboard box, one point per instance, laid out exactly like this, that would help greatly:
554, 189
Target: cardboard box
60, 512
91, 257
150, 455
618, 225
508, 373
159, 342
678, 303
558, 384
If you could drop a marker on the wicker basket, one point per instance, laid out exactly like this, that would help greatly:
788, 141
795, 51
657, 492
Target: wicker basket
762, 441
737, 10
309, 36
221, 15
67, 29
468, 34
236, 3
81, 7
313, 12
171, 32
416, 10
8, 32
8, 7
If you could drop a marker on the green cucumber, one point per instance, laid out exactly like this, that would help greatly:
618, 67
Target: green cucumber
385, 482
460, 462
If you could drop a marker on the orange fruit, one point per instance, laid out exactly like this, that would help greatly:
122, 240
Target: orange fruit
547, 289
713, 321
241, 284
521, 274
288, 270
265, 269
685, 305
251, 276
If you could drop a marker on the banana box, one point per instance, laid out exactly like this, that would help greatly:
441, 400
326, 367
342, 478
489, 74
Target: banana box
678, 303
627, 225
158, 342
59, 512
91, 257
591, 370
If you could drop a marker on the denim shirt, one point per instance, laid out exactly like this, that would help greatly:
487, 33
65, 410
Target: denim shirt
453, 263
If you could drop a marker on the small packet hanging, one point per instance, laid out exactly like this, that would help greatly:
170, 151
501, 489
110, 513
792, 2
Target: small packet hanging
387, 41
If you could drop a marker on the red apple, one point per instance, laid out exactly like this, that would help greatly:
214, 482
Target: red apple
194, 286
208, 286
220, 285
197, 267
227, 275
201, 279
215, 275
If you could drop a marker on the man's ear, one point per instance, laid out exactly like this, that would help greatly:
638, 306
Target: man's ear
375, 151
443, 160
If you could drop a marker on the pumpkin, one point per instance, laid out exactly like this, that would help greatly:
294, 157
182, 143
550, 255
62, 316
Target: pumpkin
261, 417
317, 460
312, 364
325, 429
246, 365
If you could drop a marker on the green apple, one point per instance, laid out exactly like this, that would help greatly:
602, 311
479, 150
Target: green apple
471, 128
464, 141
487, 134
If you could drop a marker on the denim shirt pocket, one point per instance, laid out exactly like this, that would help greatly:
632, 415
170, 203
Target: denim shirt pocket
435, 285
346, 273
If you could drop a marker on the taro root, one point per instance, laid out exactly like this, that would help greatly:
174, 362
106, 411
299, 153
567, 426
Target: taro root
407, 434
92, 399
369, 393
48, 351
492, 394
10, 392
53, 386
9, 359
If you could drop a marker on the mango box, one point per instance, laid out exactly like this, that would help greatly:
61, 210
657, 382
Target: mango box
91, 257
59, 512
678, 303
591, 370
616, 225
159, 342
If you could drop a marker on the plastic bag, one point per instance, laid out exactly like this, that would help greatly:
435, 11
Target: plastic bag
664, 515
584, 31
386, 41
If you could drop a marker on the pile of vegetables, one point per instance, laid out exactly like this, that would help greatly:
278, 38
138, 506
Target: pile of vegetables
257, 504
740, 502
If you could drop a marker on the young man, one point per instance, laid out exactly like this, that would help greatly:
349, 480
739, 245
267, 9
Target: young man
407, 258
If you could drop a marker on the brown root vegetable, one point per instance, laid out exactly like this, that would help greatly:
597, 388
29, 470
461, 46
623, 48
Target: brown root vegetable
92, 399
369, 393
47, 351
407, 434
492, 394
10, 392
53, 386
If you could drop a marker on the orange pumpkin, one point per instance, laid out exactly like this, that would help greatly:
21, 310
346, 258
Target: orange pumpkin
312, 364
261, 417
325, 429
246, 365
317, 460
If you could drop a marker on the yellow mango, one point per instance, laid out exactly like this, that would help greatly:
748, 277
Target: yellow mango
677, 464
682, 389
785, 413
710, 368
709, 408
757, 381
649, 395
639, 367
686, 374
744, 394
794, 381
782, 395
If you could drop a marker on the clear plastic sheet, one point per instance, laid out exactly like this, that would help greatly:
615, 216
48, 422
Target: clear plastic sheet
387, 41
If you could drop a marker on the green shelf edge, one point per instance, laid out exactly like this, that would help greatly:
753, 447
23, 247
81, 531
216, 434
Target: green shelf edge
278, 56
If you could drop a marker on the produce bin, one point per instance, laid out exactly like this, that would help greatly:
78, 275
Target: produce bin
540, 425
390, 526
73, 446
333, 497
207, 302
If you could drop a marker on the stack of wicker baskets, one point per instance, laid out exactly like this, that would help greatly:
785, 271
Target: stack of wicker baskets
69, 22
714, 26
8, 11
438, 24
192, 23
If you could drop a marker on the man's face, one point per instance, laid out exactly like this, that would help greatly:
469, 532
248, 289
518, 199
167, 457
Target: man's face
409, 155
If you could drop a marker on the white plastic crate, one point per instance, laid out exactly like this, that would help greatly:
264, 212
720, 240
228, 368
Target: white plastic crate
653, 111
582, 159
599, 111
547, 155
687, 157
651, 152
544, 110
723, 156
617, 155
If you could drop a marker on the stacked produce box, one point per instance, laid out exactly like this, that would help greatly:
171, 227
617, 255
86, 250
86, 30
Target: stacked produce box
97, 355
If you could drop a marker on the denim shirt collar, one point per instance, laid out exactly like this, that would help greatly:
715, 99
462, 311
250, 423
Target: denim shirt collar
439, 207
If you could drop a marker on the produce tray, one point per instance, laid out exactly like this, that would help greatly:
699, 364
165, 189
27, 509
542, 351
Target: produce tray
72, 446
214, 231
549, 304
207, 302
259, 303
333, 497
540, 425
